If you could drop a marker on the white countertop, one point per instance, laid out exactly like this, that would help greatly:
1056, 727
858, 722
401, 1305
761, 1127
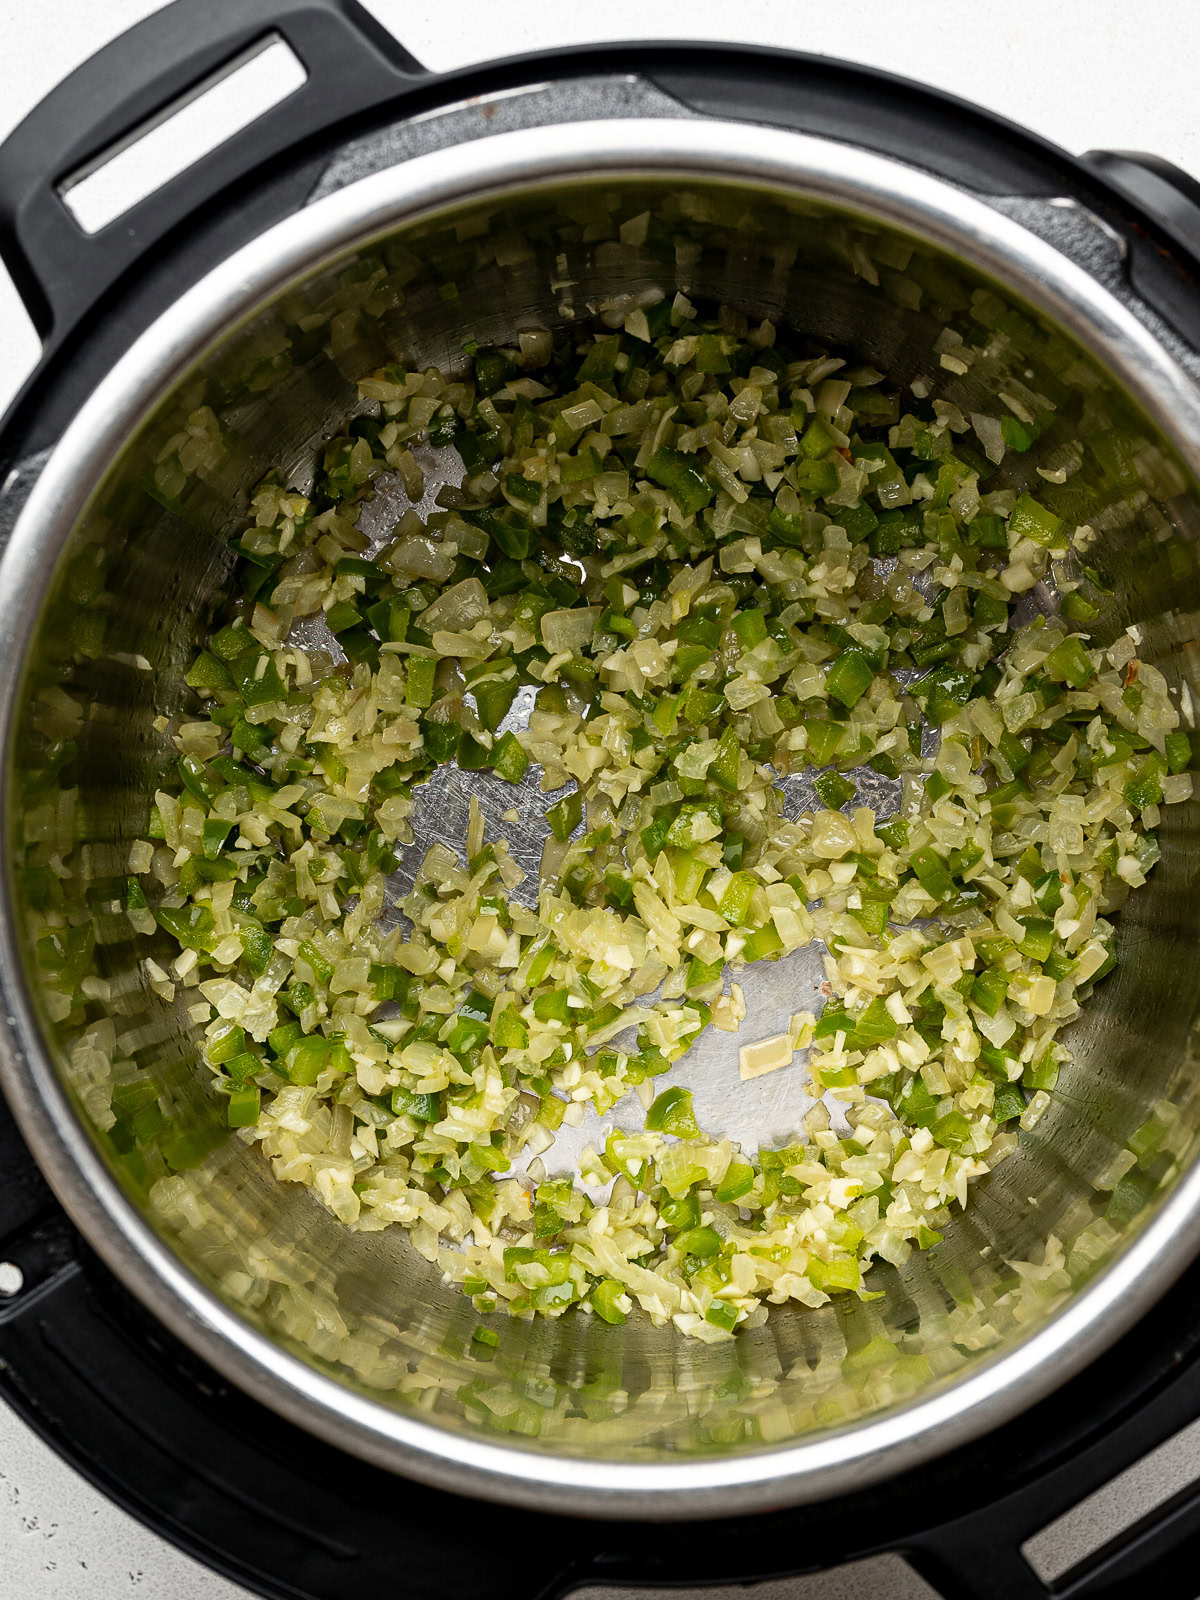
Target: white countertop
1084, 73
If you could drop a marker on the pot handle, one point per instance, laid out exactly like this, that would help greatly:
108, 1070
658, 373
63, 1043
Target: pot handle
1164, 242
1167, 194
60, 270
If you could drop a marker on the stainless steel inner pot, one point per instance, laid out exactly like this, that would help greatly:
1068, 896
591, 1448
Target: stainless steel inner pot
354, 1335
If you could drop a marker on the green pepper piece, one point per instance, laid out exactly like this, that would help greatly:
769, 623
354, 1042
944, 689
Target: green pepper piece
988, 990
849, 677
553, 1006
694, 629
681, 477
988, 532
1145, 786
834, 790
671, 1112
509, 1031
725, 768
699, 1242
833, 1276
701, 705
191, 926
763, 942
750, 627
722, 1315
389, 982
1039, 937
494, 699
816, 440
952, 1131
1048, 891
689, 873
1077, 607
282, 1038
341, 617
578, 468
1009, 1102
420, 1107
1031, 520
599, 365
230, 1044
565, 816
734, 904
257, 679
308, 1058
1178, 751
824, 738
816, 477
242, 1108
207, 672
466, 1032
1042, 1073
873, 914
421, 673
931, 874
874, 1026
604, 1296
1070, 662
257, 947
738, 1180
524, 489
509, 759
241, 1068
687, 660
694, 824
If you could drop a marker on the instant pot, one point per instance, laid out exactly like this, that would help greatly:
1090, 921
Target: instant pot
210, 1346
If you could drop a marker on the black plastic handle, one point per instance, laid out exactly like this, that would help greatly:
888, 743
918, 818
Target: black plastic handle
60, 271
1164, 244
1164, 191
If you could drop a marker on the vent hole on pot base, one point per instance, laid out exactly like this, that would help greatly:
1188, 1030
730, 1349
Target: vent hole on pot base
183, 133
1142, 1493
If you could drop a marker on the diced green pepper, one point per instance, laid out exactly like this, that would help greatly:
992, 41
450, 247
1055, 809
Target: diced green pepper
421, 673
763, 942
509, 758
681, 477
833, 1276
604, 1296
565, 816
420, 1107
1145, 787
242, 1107
750, 627
722, 1315
738, 1181
834, 790
1070, 663
931, 874
849, 677
553, 1006
1178, 751
734, 904
701, 1242
952, 1131
988, 990
1031, 520
1039, 937
671, 1112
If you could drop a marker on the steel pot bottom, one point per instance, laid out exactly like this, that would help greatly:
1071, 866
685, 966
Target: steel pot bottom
355, 1334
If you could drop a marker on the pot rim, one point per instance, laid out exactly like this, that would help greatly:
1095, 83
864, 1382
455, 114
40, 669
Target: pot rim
739, 154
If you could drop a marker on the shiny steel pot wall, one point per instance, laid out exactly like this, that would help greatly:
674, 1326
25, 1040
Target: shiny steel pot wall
121, 560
